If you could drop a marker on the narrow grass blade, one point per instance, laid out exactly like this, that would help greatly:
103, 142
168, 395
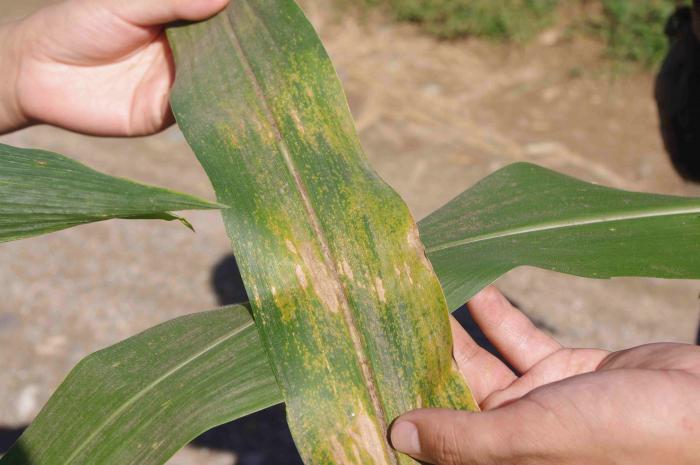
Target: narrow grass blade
43, 192
347, 304
527, 215
141, 400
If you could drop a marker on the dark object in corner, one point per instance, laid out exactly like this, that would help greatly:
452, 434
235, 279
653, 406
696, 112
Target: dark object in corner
678, 92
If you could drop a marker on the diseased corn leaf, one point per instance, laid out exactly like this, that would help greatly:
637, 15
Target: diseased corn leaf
43, 192
140, 401
347, 304
527, 215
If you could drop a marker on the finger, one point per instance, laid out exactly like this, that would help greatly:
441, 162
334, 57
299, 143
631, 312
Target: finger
156, 12
484, 372
657, 356
558, 366
510, 331
516, 433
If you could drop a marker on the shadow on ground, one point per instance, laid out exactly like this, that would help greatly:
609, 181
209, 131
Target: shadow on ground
8, 436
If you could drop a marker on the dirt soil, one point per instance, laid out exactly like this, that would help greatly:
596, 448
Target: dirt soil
434, 118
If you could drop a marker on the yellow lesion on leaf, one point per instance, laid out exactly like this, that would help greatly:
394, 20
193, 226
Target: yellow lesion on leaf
346, 270
297, 122
413, 239
301, 276
360, 442
321, 279
379, 286
408, 272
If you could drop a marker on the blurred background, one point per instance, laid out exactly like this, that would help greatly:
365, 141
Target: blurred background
444, 92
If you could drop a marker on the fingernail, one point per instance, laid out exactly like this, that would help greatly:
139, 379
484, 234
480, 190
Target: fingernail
404, 438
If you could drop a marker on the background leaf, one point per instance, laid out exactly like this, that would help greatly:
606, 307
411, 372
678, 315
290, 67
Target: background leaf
528, 215
347, 304
42, 192
140, 401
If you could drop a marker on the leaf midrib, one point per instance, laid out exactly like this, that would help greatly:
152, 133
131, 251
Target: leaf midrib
563, 224
132, 400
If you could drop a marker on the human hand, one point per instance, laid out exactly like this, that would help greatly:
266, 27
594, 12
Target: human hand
567, 407
100, 67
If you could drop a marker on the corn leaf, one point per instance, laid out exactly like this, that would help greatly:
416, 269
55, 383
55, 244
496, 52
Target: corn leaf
43, 192
140, 401
348, 306
527, 215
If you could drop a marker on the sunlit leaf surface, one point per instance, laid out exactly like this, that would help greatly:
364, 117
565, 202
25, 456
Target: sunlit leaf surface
347, 304
527, 215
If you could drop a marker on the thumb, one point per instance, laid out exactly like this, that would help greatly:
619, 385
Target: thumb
514, 433
156, 12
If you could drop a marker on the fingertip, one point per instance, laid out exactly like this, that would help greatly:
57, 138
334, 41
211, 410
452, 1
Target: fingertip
432, 435
404, 437
487, 297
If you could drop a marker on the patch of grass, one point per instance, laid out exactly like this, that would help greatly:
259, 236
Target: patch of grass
497, 19
634, 30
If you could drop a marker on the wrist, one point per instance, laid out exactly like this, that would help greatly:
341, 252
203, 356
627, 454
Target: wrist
12, 116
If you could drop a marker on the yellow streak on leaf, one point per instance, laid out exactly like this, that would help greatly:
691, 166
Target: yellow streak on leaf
379, 286
326, 288
301, 276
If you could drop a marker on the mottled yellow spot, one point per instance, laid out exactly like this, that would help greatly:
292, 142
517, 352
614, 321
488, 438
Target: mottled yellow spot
297, 122
273, 289
379, 286
256, 296
347, 271
301, 276
413, 239
338, 451
325, 286
407, 269
290, 246
366, 434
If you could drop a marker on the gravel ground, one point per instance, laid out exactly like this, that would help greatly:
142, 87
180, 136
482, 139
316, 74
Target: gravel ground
434, 118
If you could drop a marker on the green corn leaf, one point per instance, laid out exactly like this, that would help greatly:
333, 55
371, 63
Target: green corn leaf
140, 401
347, 304
43, 192
527, 215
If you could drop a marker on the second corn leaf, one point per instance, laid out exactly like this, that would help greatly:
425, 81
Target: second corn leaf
43, 192
528, 215
348, 306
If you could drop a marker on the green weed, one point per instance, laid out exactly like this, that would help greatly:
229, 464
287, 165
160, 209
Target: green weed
496, 19
633, 30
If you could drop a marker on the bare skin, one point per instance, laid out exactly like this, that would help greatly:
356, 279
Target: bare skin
100, 67
565, 406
